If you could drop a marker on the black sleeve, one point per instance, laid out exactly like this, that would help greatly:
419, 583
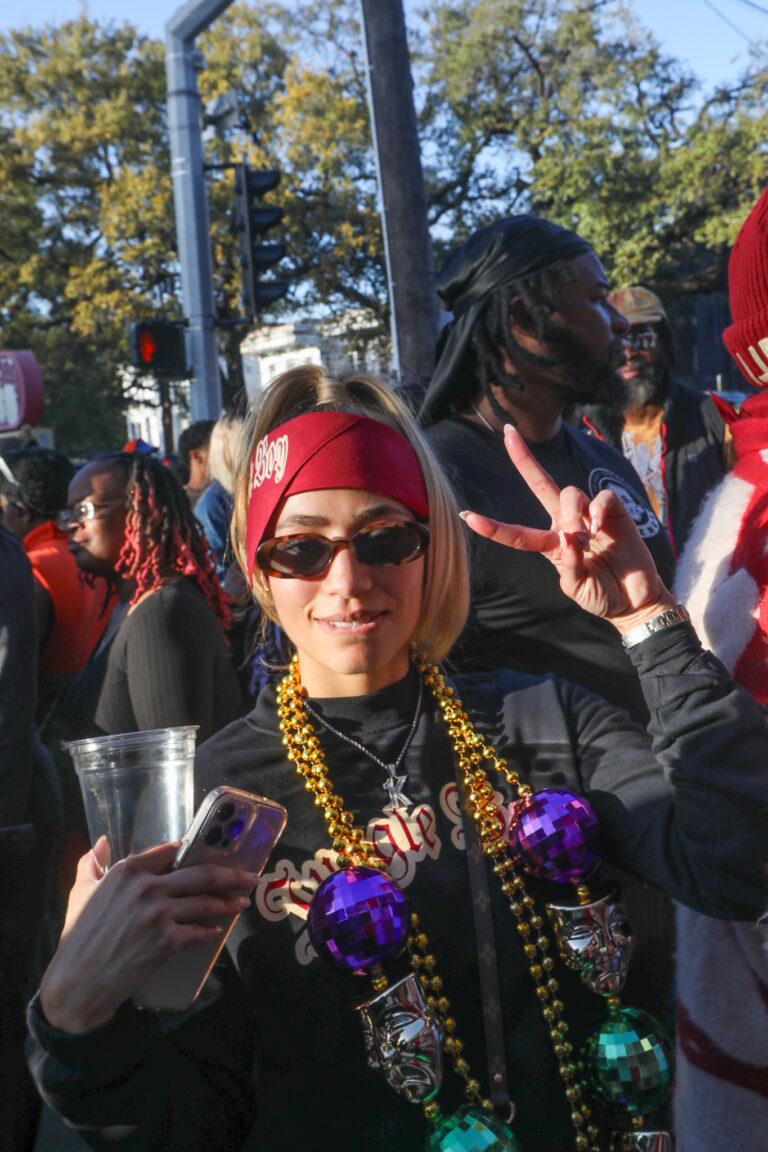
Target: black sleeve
18, 680
171, 667
689, 814
153, 1082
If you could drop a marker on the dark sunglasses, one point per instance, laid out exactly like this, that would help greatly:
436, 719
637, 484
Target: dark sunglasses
642, 339
306, 555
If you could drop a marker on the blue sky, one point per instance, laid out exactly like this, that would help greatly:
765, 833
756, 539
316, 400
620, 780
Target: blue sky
715, 46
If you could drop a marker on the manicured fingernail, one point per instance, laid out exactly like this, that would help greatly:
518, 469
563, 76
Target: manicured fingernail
243, 901
508, 428
594, 527
563, 541
463, 515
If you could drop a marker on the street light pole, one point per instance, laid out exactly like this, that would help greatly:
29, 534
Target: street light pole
190, 200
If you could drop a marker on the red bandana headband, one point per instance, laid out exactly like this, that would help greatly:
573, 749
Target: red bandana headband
329, 450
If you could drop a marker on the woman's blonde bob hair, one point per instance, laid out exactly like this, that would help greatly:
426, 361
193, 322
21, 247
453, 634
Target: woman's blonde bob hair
445, 601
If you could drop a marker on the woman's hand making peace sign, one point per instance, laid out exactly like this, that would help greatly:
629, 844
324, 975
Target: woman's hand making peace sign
603, 564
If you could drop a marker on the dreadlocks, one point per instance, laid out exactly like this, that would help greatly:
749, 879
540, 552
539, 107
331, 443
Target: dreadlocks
492, 342
161, 532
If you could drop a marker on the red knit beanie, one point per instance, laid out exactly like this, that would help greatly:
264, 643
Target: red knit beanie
747, 338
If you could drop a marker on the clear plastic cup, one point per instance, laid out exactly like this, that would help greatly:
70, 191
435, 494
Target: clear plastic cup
138, 787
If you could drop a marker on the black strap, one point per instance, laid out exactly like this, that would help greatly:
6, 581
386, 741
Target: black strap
487, 964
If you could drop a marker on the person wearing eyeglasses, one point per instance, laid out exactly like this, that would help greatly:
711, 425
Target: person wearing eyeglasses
163, 659
71, 614
402, 985
673, 436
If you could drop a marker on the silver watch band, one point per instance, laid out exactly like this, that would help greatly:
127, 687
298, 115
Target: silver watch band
668, 619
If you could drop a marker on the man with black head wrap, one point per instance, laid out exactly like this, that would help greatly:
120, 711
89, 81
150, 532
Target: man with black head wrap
533, 331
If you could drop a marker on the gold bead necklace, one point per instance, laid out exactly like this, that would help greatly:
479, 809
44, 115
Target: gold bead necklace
470, 750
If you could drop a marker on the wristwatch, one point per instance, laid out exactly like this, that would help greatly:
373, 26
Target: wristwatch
667, 619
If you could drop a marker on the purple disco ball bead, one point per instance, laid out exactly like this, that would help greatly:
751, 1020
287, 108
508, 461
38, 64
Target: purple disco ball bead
357, 917
555, 833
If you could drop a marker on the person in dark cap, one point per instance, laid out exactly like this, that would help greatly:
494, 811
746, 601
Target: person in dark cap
533, 331
672, 435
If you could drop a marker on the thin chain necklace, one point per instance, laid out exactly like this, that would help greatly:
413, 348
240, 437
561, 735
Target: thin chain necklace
394, 784
488, 425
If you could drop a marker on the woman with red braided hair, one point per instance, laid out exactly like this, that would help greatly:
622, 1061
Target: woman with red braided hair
163, 659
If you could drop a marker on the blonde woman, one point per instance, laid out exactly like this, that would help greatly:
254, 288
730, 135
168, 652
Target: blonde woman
347, 533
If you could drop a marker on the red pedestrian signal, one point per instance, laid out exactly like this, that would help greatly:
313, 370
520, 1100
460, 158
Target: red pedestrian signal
147, 346
157, 346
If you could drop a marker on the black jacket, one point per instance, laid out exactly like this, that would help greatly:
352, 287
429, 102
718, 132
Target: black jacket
687, 812
692, 433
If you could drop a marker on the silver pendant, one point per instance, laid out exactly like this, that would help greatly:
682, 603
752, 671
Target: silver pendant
595, 940
394, 789
403, 1039
648, 1142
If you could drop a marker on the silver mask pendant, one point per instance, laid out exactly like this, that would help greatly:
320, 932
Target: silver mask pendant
403, 1039
595, 940
648, 1142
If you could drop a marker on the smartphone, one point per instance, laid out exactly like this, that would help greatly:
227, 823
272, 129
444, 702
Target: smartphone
230, 827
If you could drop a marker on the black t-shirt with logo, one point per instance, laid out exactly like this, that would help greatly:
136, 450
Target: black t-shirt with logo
519, 617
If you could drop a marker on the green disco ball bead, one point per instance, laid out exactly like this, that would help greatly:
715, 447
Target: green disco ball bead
630, 1062
471, 1129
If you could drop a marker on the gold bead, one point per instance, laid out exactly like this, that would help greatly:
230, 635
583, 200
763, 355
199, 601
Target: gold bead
443, 1005
524, 929
462, 1067
450, 1043
429, 962
536, 971
472, 1088
414, 920
541, 992
436, 984
552, 984
379, 982
530, 950
449, 1024
432, 1110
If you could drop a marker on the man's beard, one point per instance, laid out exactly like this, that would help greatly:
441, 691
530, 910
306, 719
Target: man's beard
645, 386
585, 377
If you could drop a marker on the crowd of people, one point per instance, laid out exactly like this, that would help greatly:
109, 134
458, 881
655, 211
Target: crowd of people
506, 759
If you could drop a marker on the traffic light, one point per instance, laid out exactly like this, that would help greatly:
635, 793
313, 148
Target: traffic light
251, 222
157, 346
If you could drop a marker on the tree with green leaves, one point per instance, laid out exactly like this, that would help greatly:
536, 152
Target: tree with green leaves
567, 108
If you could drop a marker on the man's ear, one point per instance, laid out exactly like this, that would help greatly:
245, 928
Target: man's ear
197, 455
520, 318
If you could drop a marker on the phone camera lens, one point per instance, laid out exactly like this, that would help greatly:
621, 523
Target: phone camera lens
213, 835
225, 812
234, 829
